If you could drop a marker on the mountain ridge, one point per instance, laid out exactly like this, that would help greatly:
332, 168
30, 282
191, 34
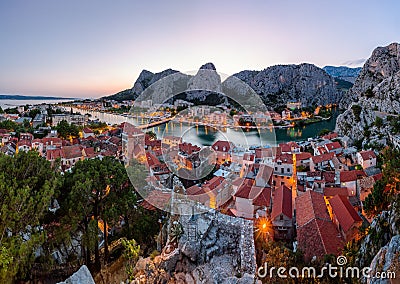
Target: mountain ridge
276, 84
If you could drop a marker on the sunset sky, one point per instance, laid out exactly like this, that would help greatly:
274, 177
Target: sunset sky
92, 48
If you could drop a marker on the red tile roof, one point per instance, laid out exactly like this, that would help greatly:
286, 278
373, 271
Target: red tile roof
344, 212
264, 152
285, 158
53, 154
248, 157
316, 234
264, 198
114, 140
329, 176
318, 238
282, 202
310, 205
378, 176
87, 130
156, 199
131, 129
285, 147
152, 160
265, 172
323, 158
347, 176
303, 156
238, 181
214, 182
332, 191
333, 146
194, 190
51, 141
368, 155
248, 191
89, 152
330, 136
72, 152
188, 148
222, 146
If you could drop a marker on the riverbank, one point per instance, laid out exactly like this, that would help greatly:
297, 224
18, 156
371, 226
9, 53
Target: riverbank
207, 135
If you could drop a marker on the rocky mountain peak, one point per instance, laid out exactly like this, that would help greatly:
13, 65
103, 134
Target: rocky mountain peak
208, 66
282, 83
375, 91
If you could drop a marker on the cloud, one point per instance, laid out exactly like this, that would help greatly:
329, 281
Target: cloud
355, 62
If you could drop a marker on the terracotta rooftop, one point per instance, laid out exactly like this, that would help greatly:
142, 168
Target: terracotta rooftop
318, 238
282, 202
303, 156
285, 158
332, 191
156, 199
264, 153
329, 176
87, 130
249, 191
333, 146
347, 176
344, 212
310, 205
367, 155
222, 146
323, 158
264, 198
72, 152
316, 234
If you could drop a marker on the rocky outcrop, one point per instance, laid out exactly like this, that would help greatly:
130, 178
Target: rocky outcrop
282, 83
145, 80
214, 248
383, 64
375, 92
387, 260
383, 228
81, 276
343, 72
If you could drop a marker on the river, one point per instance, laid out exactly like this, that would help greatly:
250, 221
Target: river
206, 136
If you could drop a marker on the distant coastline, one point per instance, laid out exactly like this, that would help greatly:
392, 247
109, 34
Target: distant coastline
21, 97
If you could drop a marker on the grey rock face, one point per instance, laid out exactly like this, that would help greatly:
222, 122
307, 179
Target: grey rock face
282, 83
383, 63
386, 260
377, 88
276, 85
214, 248
383, 228
146, 78
82, 276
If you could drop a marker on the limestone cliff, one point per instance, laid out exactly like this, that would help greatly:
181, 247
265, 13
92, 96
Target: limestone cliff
276, 85
282, 83
376, 92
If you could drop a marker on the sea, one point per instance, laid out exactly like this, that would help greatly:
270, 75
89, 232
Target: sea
14, 103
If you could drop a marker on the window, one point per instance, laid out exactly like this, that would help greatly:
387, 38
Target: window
281, 217
288, 170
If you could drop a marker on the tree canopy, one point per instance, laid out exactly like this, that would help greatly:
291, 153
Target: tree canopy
27, 184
